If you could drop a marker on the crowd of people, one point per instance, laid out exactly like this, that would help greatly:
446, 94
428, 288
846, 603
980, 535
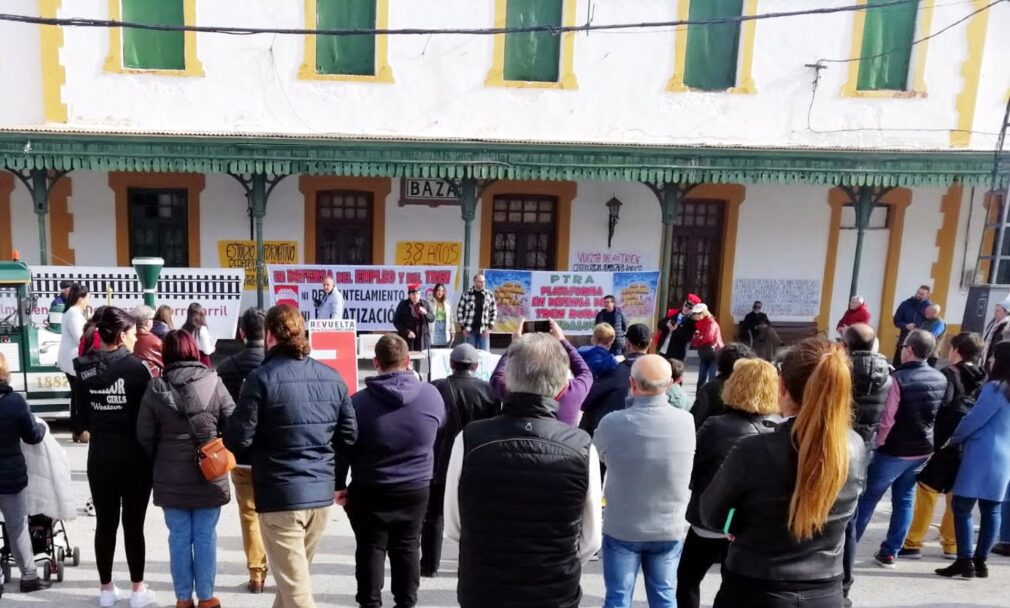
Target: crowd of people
774, 471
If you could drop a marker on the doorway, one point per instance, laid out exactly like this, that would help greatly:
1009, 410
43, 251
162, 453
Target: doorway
696, 252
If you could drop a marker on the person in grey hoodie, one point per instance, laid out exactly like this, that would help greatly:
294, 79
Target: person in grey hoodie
648, 449
392, 465
184, 409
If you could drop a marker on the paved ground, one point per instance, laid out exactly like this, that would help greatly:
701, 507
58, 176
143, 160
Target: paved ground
911, 584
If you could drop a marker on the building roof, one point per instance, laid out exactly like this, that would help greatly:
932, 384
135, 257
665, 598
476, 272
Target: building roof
64, 150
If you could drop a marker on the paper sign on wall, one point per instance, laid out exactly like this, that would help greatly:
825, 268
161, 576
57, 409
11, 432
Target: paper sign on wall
609, 261
780, 297
430, 253
242, 254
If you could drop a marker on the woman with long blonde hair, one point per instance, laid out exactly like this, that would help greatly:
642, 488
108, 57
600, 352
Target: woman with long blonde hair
786, 497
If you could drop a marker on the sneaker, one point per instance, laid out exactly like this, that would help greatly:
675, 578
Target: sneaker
1001, 549
884, 560
143, 598
910, 553
34, 584
108, 598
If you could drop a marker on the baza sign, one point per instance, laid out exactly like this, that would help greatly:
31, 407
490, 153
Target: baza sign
430, 192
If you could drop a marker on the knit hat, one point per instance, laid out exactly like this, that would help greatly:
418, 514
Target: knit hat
411, 288
1005, 304
693, 299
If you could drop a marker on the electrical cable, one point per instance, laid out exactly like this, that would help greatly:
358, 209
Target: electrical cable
552, 29
819, 65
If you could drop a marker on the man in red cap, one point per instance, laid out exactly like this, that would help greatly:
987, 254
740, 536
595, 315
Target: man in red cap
676, 329
411, 319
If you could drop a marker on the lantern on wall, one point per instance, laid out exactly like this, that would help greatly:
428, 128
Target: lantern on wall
614, 209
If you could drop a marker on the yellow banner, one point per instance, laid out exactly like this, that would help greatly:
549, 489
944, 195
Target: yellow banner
430, 253
242, 254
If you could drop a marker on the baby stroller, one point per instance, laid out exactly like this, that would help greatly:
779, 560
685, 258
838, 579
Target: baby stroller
49, 539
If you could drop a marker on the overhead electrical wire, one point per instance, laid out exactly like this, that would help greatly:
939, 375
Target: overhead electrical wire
553, 29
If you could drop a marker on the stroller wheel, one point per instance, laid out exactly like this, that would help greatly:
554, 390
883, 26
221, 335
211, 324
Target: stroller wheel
61, 555
59, 571
5, 568
76, 560
47, 570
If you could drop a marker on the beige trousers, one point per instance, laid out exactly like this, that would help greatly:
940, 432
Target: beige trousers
290, 539
252, 541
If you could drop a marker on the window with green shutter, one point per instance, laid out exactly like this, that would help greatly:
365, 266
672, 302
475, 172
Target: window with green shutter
533, 56
353, 55
887, 46
711, 62
151, 49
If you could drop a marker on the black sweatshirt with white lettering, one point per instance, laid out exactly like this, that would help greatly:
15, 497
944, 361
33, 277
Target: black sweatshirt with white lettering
110, 387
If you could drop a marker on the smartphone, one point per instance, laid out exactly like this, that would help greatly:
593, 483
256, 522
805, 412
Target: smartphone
532, 327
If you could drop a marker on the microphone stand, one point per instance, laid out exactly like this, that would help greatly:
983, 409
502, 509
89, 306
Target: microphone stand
425, 334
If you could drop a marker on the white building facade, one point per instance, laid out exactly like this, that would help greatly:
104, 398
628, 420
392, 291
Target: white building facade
132, 135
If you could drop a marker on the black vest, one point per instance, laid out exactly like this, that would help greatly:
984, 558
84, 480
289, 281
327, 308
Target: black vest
922, 391
521, 495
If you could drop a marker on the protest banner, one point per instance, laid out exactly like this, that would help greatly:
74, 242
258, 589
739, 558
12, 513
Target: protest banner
334, 342
430, 253
609, 261
218, 290
242, 254
571, 299
371, 293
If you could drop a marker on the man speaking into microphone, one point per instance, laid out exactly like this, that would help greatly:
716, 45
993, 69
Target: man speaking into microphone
412, 318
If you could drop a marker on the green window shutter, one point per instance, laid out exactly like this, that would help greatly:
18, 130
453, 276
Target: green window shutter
353, 55
533, 56
888, 32
150, 49
712, 49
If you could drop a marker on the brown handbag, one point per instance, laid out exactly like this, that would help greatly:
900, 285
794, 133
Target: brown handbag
215, 460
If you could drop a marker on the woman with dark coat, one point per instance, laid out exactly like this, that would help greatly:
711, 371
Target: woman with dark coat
16, 425
411, 319
751, 396
111, 383
184, 409
787, 496
984, 473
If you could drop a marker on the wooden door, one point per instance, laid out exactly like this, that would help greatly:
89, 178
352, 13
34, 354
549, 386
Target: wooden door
696, 252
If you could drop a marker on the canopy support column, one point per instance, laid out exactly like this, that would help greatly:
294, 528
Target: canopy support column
39, 183
258, 187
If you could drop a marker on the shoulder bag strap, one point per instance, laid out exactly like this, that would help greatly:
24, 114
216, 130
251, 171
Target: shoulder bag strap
189, 419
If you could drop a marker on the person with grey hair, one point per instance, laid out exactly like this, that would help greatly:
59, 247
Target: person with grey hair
648, 449
856, 313
148, 347
904, 442
523, 494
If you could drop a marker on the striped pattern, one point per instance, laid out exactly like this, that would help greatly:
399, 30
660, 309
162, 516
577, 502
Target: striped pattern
174, 283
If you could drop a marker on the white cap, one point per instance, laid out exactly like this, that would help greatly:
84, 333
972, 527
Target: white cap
699, 309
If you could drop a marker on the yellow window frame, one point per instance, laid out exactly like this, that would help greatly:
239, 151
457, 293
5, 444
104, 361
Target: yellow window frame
566, 78
745, 57
917, 88
114, 61
383, 71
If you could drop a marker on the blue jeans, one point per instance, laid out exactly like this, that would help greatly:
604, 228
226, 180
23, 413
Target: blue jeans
1004, 530
478, 341
964, 529
658, 560
706, 370
192, 549
899, 475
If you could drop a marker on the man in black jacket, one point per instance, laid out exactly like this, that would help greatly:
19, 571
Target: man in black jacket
411, 319
904, 442
467, 399
871, 383
522, 493
233, 372
293, 416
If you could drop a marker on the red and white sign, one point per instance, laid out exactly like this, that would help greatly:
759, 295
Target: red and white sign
334, 342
